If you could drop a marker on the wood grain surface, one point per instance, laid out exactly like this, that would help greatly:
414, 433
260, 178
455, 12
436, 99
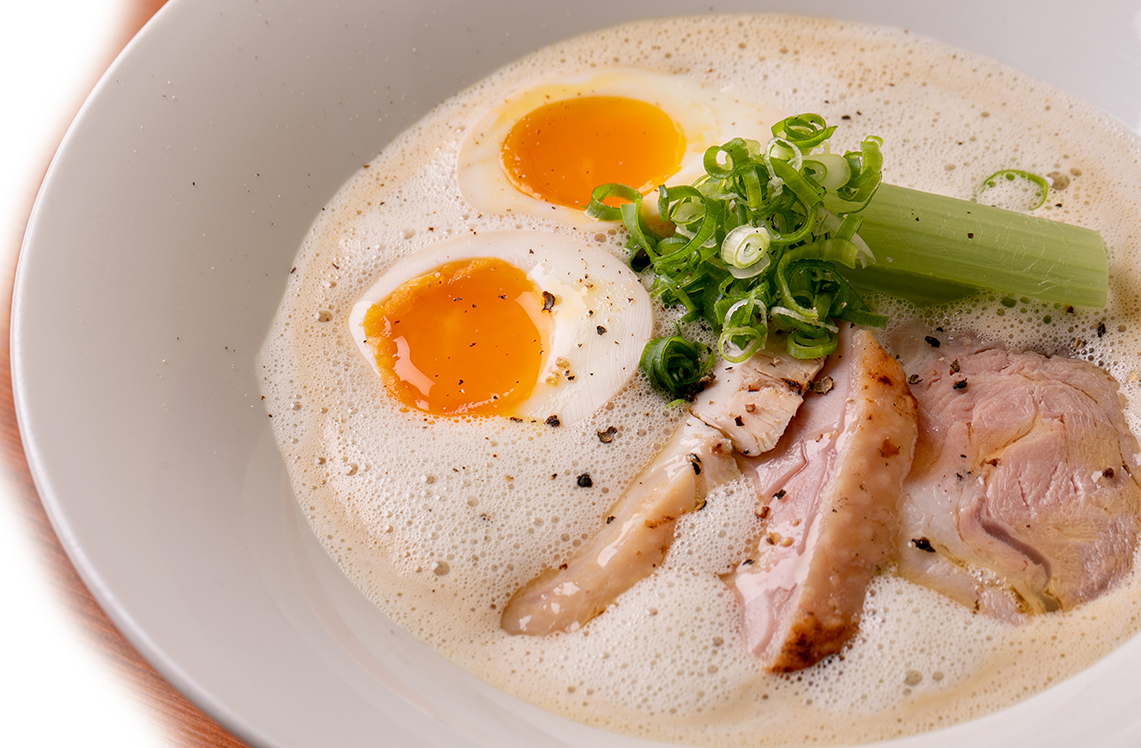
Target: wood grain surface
67, 677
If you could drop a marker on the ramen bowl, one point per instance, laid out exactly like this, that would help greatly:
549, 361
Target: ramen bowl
156, 257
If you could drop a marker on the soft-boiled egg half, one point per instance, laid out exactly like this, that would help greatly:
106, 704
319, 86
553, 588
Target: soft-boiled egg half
543, 150
522, 324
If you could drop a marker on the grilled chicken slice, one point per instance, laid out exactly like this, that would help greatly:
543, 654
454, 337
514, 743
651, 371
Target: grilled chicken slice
748, 407
830, 492
1024, 496
752, 402
638, 531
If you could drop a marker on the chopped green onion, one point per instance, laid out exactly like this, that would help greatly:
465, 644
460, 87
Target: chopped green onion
676, 365
755, 235
829, 170
806, 131
599, 210
745, 250
1035, 188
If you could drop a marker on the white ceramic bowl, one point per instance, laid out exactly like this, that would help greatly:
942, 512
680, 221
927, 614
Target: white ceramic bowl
155, 259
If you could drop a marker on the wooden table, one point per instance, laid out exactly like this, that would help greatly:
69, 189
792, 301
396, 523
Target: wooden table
67, 677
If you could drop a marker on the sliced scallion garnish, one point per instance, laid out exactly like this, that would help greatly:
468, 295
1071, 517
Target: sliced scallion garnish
755, 235
676, 365
1032, 188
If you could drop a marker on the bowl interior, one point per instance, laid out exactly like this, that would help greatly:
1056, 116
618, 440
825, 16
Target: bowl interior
156, 257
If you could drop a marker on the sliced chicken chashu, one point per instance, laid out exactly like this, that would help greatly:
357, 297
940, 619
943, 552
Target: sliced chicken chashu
753, 401
830, 495
749, 406
637, 533
1024, 495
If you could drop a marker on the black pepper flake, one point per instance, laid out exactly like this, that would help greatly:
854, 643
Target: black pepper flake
562, 567
923, 544
1100, 329
608, 435
738, 420
748, 562
553, 421
823, 385
914, 379
695, 461
955, 366
960, 384
933, 342
548, 301
970, 235
1108, 473
584, 481
780, 494
601, 330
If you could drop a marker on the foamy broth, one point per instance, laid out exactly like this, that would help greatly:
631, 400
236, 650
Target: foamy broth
440, 521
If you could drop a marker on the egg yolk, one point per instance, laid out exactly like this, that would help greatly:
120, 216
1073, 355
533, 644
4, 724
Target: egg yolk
561, 151
466, 338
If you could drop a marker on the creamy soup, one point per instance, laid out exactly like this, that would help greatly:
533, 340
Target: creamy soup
440, 519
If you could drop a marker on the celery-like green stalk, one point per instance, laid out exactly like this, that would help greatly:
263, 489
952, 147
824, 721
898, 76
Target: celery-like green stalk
932, 248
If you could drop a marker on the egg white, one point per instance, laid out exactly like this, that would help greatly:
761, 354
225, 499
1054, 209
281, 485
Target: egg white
706, 117
601, 319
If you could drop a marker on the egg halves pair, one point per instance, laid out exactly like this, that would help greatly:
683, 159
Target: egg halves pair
532, 324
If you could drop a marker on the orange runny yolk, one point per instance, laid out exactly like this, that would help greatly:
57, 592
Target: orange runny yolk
466, 338
561, 151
